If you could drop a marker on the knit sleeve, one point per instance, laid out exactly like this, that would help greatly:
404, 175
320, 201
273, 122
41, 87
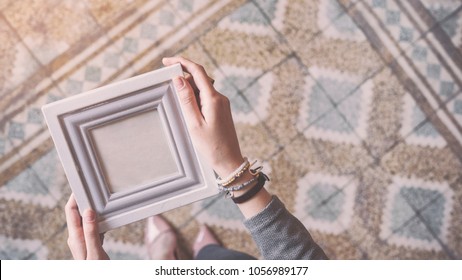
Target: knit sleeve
279, 235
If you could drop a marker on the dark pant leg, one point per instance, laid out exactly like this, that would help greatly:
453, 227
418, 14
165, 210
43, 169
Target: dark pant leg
217, 252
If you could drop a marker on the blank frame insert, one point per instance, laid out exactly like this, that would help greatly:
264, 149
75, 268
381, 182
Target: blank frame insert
149, 160
126, 151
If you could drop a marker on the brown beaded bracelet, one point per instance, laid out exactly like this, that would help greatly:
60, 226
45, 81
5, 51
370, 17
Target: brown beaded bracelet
262, 178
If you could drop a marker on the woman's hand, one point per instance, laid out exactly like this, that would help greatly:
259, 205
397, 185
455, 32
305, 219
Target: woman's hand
208, 117
84, 239
210, 123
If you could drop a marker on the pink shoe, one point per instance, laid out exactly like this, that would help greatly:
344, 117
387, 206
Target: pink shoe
160, 239
204, 238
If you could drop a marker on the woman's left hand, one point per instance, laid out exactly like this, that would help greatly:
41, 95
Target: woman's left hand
84, 238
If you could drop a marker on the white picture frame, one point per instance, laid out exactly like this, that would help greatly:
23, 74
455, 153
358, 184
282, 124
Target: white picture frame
138, 121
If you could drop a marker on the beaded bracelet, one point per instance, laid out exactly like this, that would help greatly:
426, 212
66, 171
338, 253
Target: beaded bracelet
236, 174
230, 190
262, 178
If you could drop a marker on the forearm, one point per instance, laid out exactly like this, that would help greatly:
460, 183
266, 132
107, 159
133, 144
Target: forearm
279, 235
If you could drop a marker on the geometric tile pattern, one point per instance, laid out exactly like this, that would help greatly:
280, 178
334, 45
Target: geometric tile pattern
342, 26
274, 10
39, 184
124, 251
416, 129
437, 75
443, 13
335, 89
93, 74
455, 107
323, 201
424, 63
27, 123
21, 249
249, 19
354, 108
431, 201
395, 20
238, 79
223, 213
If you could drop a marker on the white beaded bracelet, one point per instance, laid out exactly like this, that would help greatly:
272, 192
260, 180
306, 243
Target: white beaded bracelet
238, 172
238, 187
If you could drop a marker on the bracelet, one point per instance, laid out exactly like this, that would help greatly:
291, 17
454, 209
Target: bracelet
236, 174
229, 191
262, 178
253, 172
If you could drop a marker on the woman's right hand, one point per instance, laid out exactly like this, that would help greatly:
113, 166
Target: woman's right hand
208, 117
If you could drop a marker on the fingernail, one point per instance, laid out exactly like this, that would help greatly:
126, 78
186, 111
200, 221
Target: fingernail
178, 82
89, 216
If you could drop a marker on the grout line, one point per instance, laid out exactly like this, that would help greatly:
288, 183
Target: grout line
371, 76
21, 41
402, 139
334, 194
317, 33
270, 23
28, 167
293, 54
435, 236
419, 216
254, 81
417, 82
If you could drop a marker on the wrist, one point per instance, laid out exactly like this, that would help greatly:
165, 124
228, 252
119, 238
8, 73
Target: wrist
242, 179
261, 179
248, 194
227, 167
256, 204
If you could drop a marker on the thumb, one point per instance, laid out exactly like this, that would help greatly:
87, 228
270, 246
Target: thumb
188, 102
91, 233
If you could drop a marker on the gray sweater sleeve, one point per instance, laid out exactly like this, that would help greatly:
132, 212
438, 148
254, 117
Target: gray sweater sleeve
279, 235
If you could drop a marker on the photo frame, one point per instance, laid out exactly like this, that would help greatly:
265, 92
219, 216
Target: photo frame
126, 150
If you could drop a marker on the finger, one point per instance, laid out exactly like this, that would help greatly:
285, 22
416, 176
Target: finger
74, 223
101, 238
91, 233
188, 102
201, 79
76, 240
190, 80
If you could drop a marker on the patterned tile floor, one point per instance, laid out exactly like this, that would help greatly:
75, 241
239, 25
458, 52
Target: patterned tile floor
355, 108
